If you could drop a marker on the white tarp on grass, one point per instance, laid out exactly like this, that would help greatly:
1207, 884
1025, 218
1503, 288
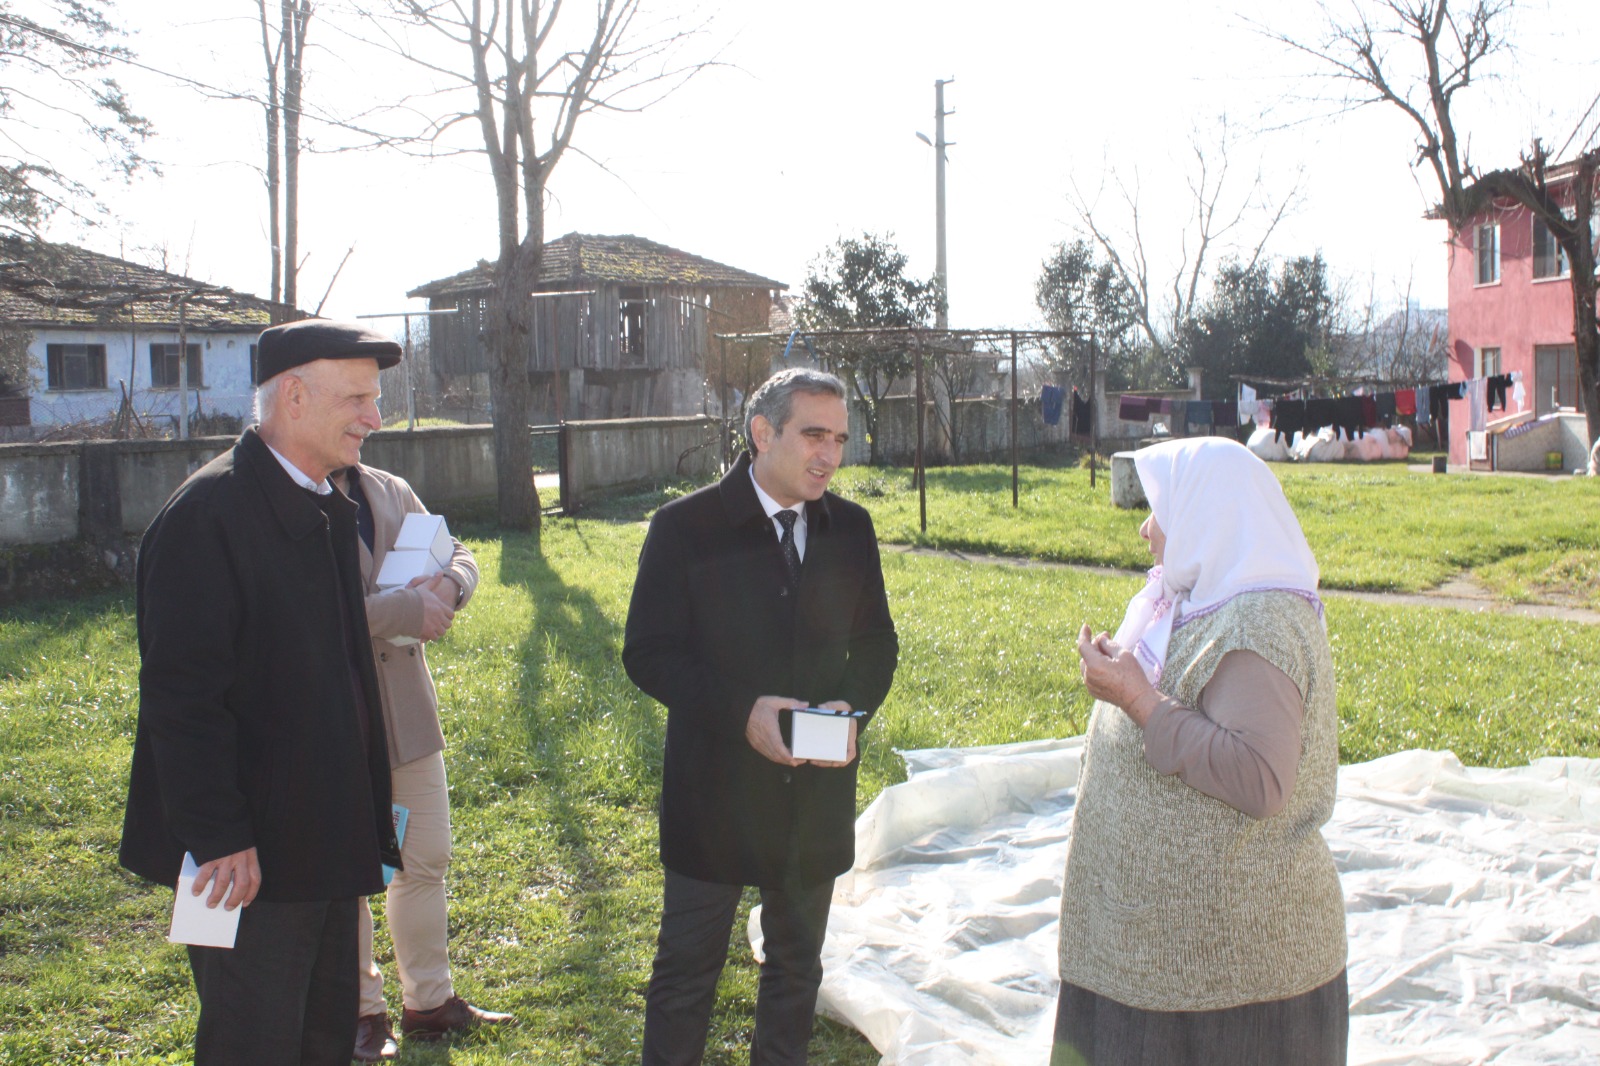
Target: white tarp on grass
1472, 899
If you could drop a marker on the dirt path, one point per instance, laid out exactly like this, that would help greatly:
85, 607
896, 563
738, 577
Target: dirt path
1460, 593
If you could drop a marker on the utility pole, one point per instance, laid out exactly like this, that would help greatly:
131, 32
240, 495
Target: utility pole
941, 263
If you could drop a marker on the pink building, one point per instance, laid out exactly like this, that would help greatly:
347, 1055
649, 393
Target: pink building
1511, 310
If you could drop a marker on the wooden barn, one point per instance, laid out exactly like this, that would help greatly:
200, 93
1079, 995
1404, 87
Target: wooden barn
625, 331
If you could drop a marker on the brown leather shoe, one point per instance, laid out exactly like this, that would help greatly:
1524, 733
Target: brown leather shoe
454, 1015
374, 1039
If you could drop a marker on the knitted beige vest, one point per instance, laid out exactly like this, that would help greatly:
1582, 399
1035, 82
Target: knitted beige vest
1175, 901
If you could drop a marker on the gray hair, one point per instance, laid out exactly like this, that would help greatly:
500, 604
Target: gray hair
774, 400
266, 400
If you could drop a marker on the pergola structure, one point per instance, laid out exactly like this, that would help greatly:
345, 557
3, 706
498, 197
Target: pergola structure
922, 340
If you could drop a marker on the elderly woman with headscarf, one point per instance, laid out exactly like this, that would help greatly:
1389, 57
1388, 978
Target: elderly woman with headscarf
1202, 919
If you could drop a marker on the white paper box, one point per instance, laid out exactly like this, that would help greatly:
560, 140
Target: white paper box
820, 736
426, 532
401, 567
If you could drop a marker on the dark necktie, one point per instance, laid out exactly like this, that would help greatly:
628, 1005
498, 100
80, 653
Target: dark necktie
791, 553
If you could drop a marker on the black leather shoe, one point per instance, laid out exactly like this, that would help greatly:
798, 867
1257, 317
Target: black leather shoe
374, 1039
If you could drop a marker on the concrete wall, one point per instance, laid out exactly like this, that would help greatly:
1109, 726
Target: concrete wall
1526, 451
38, 493
56, 492
618, 452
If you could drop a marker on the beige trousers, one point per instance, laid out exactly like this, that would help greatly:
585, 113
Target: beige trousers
416, 901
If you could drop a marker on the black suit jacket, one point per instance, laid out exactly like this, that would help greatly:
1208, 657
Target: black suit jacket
250, 728
711, 627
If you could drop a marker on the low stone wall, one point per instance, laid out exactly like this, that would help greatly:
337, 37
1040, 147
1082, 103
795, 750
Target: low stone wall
103, 490
613, 453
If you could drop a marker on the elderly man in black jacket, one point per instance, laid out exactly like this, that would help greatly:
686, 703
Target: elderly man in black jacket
754, 596
260, 745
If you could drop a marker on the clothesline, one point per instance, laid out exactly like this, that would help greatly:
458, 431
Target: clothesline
1351, 414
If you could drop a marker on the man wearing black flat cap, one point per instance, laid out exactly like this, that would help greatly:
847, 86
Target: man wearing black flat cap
260, 746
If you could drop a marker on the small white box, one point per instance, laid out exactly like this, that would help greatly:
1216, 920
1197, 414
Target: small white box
819, 735
401, 567
426, 532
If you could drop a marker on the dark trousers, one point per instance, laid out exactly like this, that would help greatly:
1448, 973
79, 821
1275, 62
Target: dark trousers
286, 993
1312, 1029
696, 923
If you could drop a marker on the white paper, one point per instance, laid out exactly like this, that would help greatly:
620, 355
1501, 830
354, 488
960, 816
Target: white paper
820, 736
195, 923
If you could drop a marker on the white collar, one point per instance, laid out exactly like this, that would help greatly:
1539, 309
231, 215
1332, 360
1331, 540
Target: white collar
768, 504
299, 476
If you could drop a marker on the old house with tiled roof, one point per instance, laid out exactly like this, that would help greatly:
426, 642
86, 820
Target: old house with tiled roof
623, 327
91, 335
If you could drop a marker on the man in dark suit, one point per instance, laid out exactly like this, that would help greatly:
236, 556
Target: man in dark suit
260, 746
754, 596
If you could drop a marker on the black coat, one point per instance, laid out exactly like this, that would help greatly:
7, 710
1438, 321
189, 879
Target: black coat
249, 734
712, 626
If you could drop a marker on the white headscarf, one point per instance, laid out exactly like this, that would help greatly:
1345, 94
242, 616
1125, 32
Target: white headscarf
1229, 530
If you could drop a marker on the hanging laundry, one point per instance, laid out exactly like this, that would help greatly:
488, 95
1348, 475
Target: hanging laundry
1288, 418
1386, 408
1424, 405
1050, 403
1496, 386
1225, 412
1368, 416
1519, 395
1080, 421
1200, 415
1405, 402
1320, 413
1246, 406
1477, 405
1180, 418
1134, 408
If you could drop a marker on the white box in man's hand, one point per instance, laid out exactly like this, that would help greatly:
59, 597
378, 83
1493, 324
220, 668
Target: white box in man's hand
401, 567
426, 532
820, 734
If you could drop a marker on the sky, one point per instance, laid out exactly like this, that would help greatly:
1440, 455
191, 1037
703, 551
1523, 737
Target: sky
805, 132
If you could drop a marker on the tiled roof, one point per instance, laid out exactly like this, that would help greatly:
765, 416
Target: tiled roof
580, 259
43, 285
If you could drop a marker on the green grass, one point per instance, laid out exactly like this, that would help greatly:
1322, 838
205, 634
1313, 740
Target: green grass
1374, 526
554, 758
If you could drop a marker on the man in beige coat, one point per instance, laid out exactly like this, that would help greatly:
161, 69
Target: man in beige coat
423, 611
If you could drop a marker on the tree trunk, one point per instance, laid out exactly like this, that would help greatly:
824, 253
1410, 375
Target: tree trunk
510, 386
294, 31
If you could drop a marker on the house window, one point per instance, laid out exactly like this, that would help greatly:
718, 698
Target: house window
164, 368
1555, 378
1549, 258
1488, 362
630, 332
1487, 243
75, 366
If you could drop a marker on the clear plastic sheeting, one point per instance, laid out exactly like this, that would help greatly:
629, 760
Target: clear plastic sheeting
1472, 896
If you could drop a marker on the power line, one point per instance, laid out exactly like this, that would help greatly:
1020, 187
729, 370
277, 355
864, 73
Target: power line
228, 94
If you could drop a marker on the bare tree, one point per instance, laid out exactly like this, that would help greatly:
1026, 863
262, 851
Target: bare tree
1415, 55
1408, 345
283, 46
1218, 216
522, 77
51, 67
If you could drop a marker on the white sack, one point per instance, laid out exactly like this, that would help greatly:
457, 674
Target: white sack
1472, 897
1268, 446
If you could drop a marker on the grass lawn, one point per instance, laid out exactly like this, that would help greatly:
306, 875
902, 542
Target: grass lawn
555, 759
1376, 526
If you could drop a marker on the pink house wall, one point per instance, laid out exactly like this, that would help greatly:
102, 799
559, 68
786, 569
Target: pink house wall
1513, 314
